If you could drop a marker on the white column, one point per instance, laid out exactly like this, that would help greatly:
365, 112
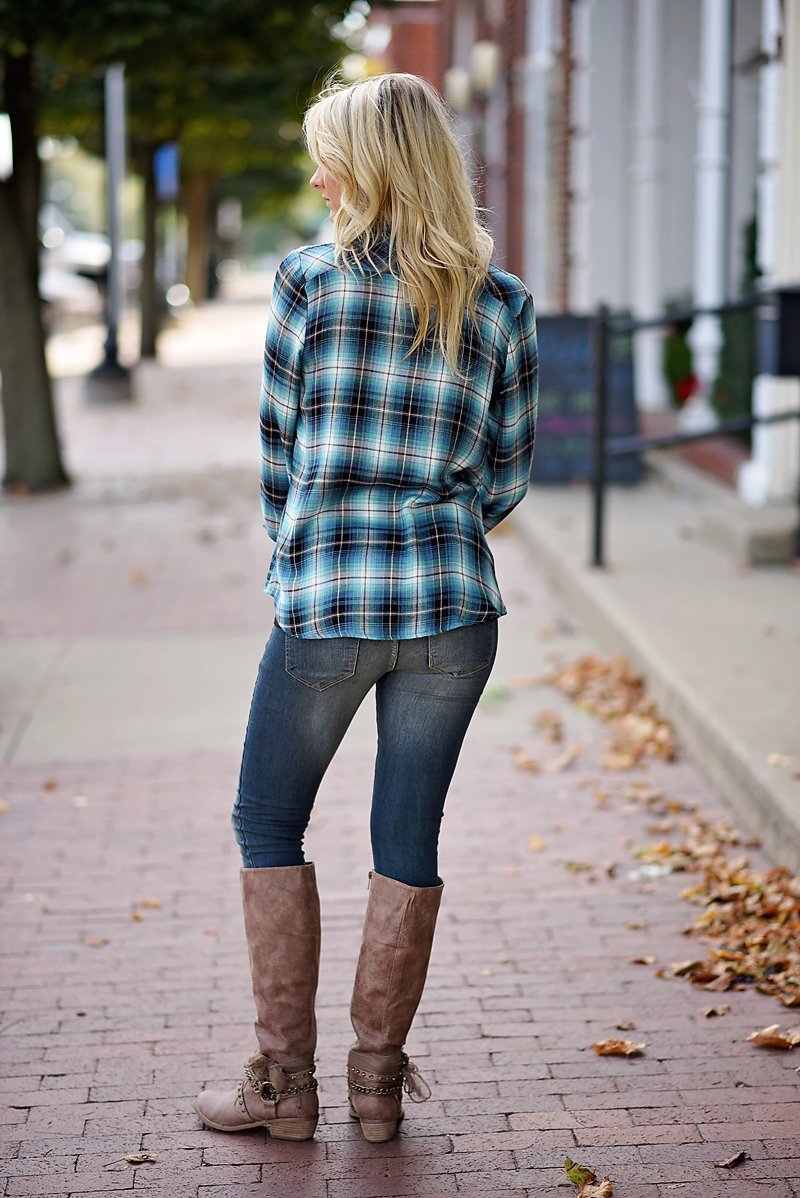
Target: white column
647, 232
710, 207
773, 470
580, 158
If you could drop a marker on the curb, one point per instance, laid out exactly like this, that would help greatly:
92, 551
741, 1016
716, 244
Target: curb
765, 798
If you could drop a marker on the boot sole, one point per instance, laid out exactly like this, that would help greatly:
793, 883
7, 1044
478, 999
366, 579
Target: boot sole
279, 1129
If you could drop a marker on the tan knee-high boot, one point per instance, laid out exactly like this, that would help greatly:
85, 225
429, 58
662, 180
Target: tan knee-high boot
282, 924
390, 977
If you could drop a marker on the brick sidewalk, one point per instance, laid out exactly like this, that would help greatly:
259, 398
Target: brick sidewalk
125, 982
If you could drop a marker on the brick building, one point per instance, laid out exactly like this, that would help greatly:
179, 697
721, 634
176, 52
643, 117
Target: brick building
634, 152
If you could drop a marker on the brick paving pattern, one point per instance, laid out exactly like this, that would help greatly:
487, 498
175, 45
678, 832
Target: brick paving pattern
125, 985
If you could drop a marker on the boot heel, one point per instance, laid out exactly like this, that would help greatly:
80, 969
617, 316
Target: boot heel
292, 1129
379, 1131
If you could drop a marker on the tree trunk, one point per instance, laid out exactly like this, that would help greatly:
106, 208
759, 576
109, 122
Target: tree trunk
33, 455
148, 296
198, 188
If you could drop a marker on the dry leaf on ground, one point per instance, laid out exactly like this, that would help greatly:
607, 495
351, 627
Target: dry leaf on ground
95, 941
550, 723
647, 960
602, 1189
722, 1009
625, 1025
614, 693
780, 760
773, 1037
564, 759
618, 1048
523, 761
536, 844
730, 1161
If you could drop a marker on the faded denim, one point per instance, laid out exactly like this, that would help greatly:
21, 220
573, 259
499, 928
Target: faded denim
305, 697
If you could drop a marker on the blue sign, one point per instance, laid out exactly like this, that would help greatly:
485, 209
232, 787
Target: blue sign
166, 167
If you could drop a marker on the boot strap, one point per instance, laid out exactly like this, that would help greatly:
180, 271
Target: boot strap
409, 1079
266, 1090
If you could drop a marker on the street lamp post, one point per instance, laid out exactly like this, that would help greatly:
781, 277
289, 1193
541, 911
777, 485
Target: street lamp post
115, 379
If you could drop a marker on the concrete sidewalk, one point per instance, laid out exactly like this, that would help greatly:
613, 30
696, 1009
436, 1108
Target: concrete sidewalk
719, 641
132, 623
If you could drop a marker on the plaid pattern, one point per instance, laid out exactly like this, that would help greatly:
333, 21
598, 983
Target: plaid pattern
381, 471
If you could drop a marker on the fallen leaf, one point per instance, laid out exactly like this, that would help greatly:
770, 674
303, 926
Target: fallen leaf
579, 1175
487, 972
681, 968
625, 1025
780, 760
150, 904
730, 1161
523, 761
137, 916
210, 932
636, 925
618, 1048
721, 983
95, 941
138, 577
564, 759
550, 723
642, 960
49, 784
536, 844
578, 867
131, 1158
601, 1190
773, 1037
723, 1009
4, 806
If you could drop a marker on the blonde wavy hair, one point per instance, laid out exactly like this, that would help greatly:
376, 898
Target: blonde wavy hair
388, 142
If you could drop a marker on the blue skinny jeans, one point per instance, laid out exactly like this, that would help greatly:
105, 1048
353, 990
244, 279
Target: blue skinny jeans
306, 694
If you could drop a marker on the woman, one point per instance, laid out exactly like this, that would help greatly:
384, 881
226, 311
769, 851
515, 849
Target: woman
397, 425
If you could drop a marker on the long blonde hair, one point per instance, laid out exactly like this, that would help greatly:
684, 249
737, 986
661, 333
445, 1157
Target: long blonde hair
388, 142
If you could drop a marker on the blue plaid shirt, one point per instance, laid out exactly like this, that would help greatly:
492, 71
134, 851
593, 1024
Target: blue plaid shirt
382, 471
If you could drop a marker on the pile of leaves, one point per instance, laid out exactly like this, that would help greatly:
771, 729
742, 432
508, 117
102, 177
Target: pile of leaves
612, 691
750, 917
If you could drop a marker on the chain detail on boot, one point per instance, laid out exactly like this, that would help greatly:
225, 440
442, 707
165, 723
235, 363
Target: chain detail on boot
268, 1092
409, 1079
265, 1098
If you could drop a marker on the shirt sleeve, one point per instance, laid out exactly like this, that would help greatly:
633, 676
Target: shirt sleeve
281, 388
513, 421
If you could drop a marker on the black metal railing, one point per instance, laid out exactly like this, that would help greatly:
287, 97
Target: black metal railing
607, 325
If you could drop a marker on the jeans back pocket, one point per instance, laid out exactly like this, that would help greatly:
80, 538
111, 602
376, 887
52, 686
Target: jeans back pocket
321, 663
465, 650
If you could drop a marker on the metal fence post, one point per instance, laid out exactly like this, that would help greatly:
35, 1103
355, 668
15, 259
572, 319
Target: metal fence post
600, 353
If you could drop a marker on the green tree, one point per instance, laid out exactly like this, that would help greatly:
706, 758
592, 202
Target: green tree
188, 63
